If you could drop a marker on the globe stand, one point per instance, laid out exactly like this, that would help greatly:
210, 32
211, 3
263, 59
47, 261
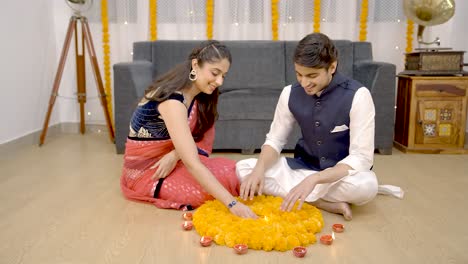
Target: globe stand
80, 72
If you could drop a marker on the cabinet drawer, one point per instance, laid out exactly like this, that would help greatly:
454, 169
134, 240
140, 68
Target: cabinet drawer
438, 90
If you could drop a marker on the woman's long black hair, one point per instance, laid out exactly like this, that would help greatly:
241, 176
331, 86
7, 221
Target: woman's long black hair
178, 78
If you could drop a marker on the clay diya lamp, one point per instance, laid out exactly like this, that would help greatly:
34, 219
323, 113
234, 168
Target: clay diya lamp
326, 239
240, 249
187, 225
187, 216
299, 252
338, 228
206, 241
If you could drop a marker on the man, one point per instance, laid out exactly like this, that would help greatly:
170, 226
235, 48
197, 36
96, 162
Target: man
331, 168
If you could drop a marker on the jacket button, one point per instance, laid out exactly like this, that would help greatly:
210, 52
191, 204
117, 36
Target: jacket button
322, 159
317, 123
317, 103
319, 142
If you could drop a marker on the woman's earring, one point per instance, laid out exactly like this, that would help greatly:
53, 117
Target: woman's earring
192, 75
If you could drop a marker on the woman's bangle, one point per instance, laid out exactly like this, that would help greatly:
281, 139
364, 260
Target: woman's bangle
231, 204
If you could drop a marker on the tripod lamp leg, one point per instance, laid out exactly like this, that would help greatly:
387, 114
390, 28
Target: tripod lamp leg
80, 73
58, 77
97, 76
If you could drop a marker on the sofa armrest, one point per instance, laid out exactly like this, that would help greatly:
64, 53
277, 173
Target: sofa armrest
379, 78
130, 81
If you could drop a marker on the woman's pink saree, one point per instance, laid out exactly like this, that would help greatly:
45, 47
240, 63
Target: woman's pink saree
179, 189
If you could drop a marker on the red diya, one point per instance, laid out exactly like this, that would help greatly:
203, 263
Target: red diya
299, 252
326, 239
338, 228
206, 241
187, 225
187, 216
240, 249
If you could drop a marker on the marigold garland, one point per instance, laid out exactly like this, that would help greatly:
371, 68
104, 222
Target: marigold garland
274, 230
106, 52
153, 12
363, 20
274, 19
409, 36
316, 15
209, 19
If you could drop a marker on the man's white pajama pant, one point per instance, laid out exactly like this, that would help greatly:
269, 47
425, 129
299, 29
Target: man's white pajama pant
357, 188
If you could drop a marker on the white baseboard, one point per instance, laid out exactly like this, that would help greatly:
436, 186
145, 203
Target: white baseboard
52, 131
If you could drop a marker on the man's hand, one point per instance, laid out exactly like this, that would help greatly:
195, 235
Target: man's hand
252, 183
165, 165
243, 211
299, 192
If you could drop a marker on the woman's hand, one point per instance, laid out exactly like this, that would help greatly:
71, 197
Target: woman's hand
165, 165
243, 211
299, 192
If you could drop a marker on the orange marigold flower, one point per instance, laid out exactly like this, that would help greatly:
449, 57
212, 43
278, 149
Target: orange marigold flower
273, 230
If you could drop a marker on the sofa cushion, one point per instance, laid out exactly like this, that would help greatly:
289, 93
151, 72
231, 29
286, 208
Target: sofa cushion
345, 59
168, 53
248, 104
362, 51
142, 51
255, 64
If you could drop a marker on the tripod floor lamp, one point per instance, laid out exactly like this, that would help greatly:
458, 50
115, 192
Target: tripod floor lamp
85, 41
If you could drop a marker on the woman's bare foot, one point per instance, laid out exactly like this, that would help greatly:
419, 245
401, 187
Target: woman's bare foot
336, 208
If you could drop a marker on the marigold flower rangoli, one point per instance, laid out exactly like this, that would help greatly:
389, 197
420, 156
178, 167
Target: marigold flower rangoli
274, 230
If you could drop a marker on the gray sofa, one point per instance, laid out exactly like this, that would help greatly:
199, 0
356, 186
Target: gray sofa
259, 71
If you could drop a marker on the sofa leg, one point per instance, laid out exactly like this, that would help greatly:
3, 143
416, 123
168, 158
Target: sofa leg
247, 151
385, 151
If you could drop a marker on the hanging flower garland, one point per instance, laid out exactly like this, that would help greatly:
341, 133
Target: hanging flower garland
409, 36
316, 16
209, 19
274, 19
153, 12
106, 52
274, 230
363, 20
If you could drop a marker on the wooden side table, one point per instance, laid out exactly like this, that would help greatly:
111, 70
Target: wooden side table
431, 114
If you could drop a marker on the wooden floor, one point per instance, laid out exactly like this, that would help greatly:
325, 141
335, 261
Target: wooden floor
61, 203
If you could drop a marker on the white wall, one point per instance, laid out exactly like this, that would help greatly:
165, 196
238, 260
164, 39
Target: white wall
33, 33
27, 52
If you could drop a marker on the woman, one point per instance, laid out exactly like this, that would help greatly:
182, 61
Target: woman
175, 121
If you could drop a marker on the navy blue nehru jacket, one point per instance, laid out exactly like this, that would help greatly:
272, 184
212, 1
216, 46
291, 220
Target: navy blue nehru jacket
317, 116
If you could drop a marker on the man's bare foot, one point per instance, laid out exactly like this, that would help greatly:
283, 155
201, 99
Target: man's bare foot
336, 208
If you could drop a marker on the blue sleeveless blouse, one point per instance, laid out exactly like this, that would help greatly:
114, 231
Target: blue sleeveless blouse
146, 121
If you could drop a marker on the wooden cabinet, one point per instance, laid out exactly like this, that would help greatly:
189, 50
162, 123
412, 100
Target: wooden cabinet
431, 114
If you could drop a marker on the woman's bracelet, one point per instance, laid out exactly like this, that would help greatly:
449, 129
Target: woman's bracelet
231, 204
